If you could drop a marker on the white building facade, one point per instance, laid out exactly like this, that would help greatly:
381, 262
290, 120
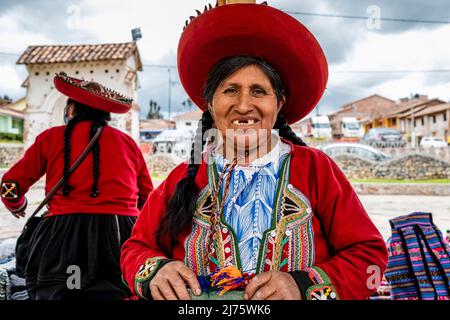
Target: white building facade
113, 65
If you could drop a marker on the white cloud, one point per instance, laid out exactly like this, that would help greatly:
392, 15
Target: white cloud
412, 50
13, 39
10, 81
161, 24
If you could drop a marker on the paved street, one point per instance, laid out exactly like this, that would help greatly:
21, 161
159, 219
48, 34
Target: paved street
380, 209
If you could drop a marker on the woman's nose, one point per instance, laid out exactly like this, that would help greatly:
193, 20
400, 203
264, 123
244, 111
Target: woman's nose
244, 103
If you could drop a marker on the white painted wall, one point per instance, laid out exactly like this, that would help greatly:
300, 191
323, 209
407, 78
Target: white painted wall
187, 124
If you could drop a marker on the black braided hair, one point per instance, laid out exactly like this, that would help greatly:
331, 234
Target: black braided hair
99, 118
96, 155
67, 146
285, 131
181, 207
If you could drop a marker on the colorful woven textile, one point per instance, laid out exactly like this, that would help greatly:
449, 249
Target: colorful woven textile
419, 263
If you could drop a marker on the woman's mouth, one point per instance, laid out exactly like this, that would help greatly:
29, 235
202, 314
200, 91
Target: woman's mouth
244, 122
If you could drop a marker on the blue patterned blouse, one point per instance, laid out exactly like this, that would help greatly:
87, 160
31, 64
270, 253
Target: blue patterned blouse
247, 207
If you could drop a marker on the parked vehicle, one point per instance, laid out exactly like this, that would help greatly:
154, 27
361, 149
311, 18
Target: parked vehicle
432, 142
384, 138
358, 149
348, 127
149, 135
175, 139
317, 127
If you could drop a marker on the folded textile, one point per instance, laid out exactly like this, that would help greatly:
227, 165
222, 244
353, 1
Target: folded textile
12, 287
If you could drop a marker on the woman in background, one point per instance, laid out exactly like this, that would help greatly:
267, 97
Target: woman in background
92, 215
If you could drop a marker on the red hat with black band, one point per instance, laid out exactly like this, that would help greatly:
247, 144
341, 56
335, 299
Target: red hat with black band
257, 30
92, 94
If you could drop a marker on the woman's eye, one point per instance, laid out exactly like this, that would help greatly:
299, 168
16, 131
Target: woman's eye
259, 92
230, 90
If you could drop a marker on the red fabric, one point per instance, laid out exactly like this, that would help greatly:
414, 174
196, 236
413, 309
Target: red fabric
258, 30
346, 241
124, 180
89, 98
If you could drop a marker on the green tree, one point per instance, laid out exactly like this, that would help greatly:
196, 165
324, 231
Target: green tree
6, 99
187, 103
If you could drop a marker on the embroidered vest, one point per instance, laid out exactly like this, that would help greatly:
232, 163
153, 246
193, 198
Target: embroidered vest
287, 245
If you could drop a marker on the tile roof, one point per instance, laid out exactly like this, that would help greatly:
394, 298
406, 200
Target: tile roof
434, 109
6, 110
79, 53
406, 107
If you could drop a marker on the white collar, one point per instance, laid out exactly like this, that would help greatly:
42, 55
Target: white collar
273, 156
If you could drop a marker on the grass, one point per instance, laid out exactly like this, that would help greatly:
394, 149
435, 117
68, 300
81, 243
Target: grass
6, 141
431, 181
158, 176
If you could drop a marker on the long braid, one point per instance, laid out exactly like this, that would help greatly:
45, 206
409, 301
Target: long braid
67, 148
181, 207
99, 118
286, 132
96, 157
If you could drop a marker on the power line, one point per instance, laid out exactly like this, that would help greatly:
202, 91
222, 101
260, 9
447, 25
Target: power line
327, 15
167, 66
389, 71
9, 54
340, 71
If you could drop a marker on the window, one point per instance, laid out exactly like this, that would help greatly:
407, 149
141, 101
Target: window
423, 122
321, 125
434, 119
415, 124
363, 153
445, 116
188, 124
15, 124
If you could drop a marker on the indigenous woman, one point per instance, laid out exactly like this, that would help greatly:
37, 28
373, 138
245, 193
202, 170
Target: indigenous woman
261, 213
93, 213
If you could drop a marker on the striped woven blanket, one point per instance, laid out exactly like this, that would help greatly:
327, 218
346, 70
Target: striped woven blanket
419, 262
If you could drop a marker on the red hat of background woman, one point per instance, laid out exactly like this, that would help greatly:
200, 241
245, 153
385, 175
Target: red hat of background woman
92, 94
257, 30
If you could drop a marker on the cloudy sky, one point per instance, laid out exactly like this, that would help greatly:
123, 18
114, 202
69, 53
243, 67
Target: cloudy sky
366, 56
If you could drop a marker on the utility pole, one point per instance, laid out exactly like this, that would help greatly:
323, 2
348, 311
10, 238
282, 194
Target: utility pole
413, 133
170, 91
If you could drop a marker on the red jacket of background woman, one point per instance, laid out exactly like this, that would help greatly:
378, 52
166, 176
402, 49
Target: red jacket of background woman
124, 180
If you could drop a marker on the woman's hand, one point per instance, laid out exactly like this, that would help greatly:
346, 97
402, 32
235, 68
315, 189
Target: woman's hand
272, 285
18, 215
170, 282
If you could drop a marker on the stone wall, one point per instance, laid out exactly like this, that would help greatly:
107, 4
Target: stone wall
160, 164
409, 167
10, 154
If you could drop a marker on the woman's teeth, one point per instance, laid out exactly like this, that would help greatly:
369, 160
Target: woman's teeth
244, 123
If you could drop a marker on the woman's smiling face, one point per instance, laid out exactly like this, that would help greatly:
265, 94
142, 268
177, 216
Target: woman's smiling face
245, 104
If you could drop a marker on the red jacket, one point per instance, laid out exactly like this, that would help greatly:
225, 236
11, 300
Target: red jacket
124, 180
326, 233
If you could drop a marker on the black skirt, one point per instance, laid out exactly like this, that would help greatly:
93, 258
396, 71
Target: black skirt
77, 257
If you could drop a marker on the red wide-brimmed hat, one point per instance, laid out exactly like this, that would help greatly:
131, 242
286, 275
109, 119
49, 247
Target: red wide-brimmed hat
257, 30
92, 94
